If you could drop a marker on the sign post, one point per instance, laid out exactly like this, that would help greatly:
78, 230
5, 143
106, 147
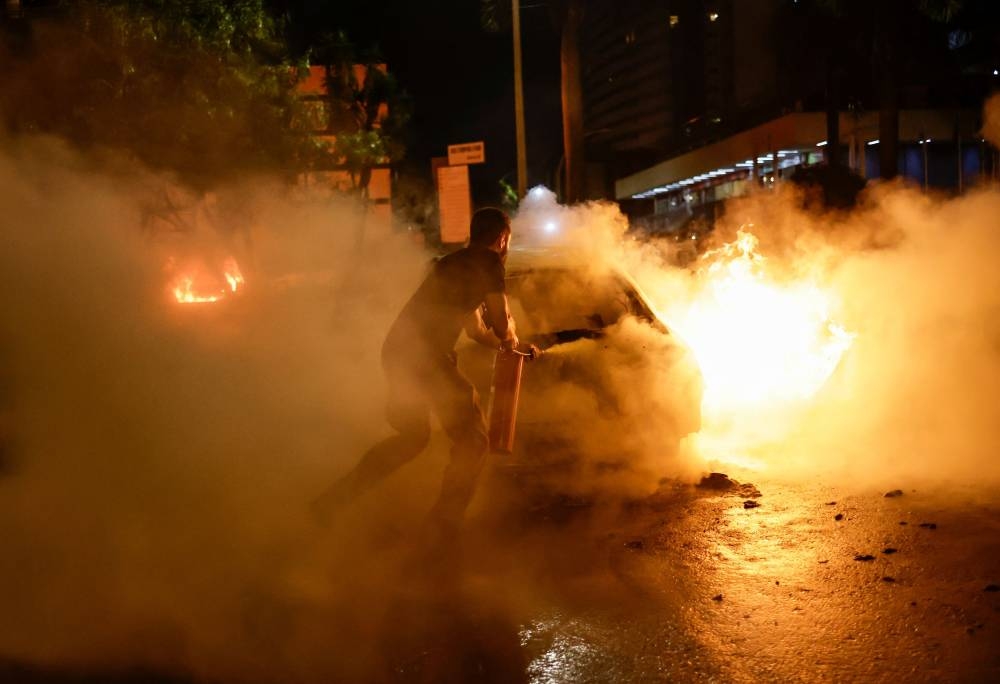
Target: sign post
454, 197
454, 203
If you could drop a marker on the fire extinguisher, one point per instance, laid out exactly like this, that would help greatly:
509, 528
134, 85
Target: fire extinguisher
504, 394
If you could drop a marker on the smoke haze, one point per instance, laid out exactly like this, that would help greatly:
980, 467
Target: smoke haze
159, 459
912, 276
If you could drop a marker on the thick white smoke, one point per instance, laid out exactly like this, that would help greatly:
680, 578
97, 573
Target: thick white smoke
159, 458
913, 277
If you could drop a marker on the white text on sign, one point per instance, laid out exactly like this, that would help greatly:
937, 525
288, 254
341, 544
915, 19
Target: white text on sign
466, 153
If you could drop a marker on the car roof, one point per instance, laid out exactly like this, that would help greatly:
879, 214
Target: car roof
523, 261
526, 260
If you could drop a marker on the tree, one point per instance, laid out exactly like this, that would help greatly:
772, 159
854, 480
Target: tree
366, 114
367, 110
201, 89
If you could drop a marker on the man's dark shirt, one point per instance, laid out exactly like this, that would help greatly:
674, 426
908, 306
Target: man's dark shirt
432, 320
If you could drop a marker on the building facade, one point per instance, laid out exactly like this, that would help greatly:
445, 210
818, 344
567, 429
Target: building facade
689, 102
662, 77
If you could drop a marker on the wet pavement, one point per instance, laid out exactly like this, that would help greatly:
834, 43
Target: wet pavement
893, 589
789, 583
769, 582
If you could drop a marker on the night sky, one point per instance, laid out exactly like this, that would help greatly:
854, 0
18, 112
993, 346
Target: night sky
460, 80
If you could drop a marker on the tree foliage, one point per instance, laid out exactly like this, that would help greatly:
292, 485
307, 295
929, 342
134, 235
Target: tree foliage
495, 15
367, 111
202, 88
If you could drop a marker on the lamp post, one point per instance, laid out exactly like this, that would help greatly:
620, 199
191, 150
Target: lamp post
522, 163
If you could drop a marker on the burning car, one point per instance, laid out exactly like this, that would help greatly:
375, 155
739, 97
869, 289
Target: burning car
615, 391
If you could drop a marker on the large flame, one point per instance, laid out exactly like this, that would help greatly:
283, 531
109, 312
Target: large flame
187, 287
760, 342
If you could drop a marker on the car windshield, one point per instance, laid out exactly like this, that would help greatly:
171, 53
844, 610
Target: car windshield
548, 301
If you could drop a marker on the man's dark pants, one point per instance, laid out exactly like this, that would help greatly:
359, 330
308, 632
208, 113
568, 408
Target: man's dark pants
418, 385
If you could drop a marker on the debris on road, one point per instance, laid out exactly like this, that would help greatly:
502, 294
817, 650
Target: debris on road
864, 557
839, 516
749, 503
720, 482
888, 579
717, 481
894, 493
717, 597
887, 550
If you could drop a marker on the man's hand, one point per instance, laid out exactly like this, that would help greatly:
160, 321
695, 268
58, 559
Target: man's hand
511, 343
531, 350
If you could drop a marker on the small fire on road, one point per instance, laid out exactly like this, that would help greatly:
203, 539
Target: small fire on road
760, 341
194, 287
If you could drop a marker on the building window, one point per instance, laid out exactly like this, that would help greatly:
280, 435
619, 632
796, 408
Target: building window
674, 20
712, 16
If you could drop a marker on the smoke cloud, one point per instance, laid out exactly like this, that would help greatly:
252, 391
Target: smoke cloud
911, 276
158, 459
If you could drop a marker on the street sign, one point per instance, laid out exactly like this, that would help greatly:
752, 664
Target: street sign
467, 153
454, 202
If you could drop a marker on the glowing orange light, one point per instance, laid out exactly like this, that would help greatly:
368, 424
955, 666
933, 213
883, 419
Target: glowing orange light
185, 293
758, 341
186, 289
233, 275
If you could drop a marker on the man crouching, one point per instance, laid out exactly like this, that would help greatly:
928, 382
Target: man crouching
465, 289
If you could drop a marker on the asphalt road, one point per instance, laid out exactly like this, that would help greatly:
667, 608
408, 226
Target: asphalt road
791, 582
818, 585
765, 582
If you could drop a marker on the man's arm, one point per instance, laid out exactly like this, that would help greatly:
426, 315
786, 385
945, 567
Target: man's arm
476, 329
498, 312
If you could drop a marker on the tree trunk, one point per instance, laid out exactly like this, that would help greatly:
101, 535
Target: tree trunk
888, 125
572, 103
833, 116
888, 43
361, 203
